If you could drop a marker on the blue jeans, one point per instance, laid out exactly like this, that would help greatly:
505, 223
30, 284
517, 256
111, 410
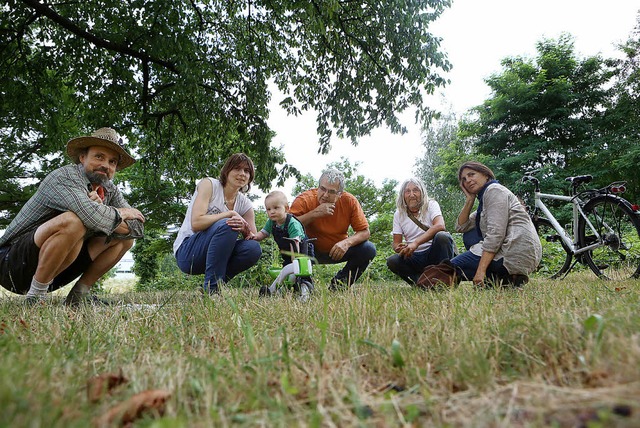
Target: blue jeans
357, 257
217, 253
410, 268
467, 264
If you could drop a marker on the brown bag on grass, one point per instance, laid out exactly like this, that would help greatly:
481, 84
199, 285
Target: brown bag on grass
440, 275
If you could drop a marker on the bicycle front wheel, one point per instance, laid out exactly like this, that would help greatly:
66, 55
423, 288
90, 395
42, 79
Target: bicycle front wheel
556, 257
616, 228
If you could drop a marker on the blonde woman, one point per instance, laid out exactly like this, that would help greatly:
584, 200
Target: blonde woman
419, 235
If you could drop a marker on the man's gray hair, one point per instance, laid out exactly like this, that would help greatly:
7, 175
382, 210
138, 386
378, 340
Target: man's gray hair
332, 176
401, 204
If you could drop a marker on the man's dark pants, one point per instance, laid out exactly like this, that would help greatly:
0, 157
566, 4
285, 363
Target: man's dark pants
357, 257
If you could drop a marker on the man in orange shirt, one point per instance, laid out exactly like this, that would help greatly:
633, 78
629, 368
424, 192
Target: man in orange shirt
326, 213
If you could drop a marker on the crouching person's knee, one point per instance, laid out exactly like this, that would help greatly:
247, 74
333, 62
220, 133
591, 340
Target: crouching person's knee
127, 244
70, 224
443, 243
393, 263
443, 238
368, 250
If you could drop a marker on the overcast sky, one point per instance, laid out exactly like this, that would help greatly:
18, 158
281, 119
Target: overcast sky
477, 35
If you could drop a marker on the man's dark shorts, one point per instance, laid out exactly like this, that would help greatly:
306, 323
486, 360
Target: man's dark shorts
19, 261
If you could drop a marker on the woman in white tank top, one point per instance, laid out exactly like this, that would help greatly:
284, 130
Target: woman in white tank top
210, 240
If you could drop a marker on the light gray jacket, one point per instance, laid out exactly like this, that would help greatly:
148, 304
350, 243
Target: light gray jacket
507, 230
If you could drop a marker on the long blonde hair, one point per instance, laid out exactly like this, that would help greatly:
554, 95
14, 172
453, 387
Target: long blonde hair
424, 203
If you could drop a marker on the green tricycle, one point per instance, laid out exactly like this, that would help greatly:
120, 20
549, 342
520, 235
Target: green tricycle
296, 274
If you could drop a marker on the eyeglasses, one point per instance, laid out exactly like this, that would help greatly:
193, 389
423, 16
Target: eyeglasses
330, 192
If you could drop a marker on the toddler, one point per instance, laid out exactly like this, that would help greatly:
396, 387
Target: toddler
289, 234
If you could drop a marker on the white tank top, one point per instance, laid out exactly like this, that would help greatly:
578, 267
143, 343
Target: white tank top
216, 206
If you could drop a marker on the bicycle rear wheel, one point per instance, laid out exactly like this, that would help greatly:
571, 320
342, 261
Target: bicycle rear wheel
617, 228
556, 257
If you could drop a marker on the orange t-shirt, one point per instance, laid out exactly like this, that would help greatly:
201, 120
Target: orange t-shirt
330, 229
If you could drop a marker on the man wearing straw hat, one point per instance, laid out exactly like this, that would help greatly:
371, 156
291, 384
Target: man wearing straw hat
77, 224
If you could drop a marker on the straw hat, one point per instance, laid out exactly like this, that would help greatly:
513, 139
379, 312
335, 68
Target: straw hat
104, 137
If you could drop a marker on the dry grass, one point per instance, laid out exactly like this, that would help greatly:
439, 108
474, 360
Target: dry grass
562, 353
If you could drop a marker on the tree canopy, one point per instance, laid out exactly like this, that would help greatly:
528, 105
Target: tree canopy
623, 118
188, 83
557, 113
543, 113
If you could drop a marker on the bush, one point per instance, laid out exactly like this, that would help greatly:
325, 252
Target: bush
169, 277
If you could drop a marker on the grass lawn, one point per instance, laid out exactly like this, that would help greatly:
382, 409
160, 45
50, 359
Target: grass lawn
556, 353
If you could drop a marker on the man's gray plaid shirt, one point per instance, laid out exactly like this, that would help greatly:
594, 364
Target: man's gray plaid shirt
66, 189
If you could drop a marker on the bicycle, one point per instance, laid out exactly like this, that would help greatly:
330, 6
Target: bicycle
606, 230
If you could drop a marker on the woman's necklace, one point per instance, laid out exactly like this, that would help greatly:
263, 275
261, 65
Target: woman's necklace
230, 202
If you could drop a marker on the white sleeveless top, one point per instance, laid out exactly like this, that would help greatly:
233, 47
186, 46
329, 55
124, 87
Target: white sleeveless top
216, 206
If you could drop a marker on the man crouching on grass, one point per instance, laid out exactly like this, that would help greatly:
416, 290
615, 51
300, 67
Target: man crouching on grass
76, 224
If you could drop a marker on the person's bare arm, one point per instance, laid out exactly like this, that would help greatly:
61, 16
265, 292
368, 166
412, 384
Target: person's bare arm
398, 245
258, 236
200, 220
470, 199
127, 214
411, 247
483, 265
245, 224
341, 247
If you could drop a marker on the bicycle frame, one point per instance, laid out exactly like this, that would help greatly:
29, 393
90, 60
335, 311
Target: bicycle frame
606, 230
576, 203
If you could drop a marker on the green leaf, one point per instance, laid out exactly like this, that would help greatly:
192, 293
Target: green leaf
396, 354
286, 385
594, 325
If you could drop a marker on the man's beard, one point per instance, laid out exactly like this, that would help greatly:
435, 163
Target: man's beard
413, 206
95, 178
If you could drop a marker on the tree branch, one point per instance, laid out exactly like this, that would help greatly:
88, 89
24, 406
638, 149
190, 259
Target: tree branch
44, 10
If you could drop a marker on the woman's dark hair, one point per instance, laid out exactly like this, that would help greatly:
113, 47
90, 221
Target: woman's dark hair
234, 162
478, 167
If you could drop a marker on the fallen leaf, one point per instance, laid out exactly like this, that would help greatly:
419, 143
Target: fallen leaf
99, 386
151, 401
596, 379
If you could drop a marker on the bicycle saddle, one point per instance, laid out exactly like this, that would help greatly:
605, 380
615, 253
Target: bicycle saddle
579, 179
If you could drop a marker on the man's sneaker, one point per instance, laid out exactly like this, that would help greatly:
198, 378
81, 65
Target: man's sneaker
32, 301
212, 293
337, 285
519, 280
77, 299
264, 291
211, 290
